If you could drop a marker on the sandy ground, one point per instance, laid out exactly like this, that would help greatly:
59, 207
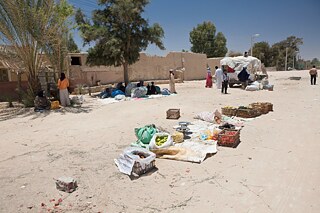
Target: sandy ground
276, 167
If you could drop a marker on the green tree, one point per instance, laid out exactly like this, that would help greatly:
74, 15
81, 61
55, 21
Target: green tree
315, 62
278, 51
120, 33
262, 51
204, 39
72, 46
56, 47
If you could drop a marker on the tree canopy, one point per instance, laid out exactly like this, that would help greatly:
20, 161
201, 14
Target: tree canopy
204, 39
119, 33
276, 54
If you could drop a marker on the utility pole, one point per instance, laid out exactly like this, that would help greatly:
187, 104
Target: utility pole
285, 63
252, 37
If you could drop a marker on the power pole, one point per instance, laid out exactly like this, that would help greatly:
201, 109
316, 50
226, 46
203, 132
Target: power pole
285, 63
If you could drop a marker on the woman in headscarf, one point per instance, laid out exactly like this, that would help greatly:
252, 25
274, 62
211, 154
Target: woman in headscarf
171, 82
63, 84
209, 78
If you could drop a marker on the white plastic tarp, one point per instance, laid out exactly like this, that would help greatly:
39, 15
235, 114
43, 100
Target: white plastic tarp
253, 64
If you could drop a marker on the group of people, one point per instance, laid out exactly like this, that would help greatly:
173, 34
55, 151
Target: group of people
41, 102
139, 88
221, 76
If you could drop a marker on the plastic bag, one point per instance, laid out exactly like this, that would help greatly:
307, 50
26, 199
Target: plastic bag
252, 88
139, 92
160, 140
129, 87
165, 91
145, 133
120, 97
206, 116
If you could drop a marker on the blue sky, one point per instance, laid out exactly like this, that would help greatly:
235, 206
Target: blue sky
238, 20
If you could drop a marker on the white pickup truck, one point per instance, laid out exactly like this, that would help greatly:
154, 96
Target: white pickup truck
236, 64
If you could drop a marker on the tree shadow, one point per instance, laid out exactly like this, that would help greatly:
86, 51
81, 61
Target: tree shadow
29, 112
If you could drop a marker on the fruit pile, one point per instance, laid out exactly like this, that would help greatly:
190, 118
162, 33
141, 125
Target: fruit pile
160, 140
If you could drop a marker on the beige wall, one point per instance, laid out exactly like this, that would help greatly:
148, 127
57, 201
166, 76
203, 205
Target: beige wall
212, 62
147, 68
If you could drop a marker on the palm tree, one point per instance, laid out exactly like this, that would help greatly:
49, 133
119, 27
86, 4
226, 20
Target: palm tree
31, 28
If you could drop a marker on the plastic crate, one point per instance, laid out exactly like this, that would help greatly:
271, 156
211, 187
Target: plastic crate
229, 138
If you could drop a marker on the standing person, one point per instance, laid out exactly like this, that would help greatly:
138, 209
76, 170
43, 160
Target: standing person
218, 76
313, 74
63, 84
171, 81
225, 80
209, 78
243, 77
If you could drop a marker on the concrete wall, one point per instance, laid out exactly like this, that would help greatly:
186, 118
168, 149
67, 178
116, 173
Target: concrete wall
146, 69
212, 62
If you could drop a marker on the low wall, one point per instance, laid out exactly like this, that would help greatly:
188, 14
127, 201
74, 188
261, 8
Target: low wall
9, 90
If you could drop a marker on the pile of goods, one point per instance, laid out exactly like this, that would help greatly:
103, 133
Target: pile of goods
251, 111
161, 139
229, 111
229, 138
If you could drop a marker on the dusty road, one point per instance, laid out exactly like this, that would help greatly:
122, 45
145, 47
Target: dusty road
276, 167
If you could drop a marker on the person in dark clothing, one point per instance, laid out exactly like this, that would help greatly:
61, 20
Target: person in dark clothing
153, 89
121, 87
243, 77
41, 102
225, 80
313, 74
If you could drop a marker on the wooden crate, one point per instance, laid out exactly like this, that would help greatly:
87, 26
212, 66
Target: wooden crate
248, 113
173, 114
269, 105
138, 170
229, 111
260, 107
229, 138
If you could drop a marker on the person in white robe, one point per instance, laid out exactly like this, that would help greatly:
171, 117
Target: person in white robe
218, 76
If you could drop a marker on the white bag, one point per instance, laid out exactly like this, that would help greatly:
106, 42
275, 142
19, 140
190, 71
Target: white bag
153, 144
126, 160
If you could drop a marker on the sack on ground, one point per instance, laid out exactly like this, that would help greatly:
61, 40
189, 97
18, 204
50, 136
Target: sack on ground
160, 140
145, 133
165, 91
205, 116
132, 155
252, 88
120, 97
139, 92
129, 87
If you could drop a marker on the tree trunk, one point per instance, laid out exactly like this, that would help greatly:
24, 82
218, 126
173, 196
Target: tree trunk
126, 73
19, 86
